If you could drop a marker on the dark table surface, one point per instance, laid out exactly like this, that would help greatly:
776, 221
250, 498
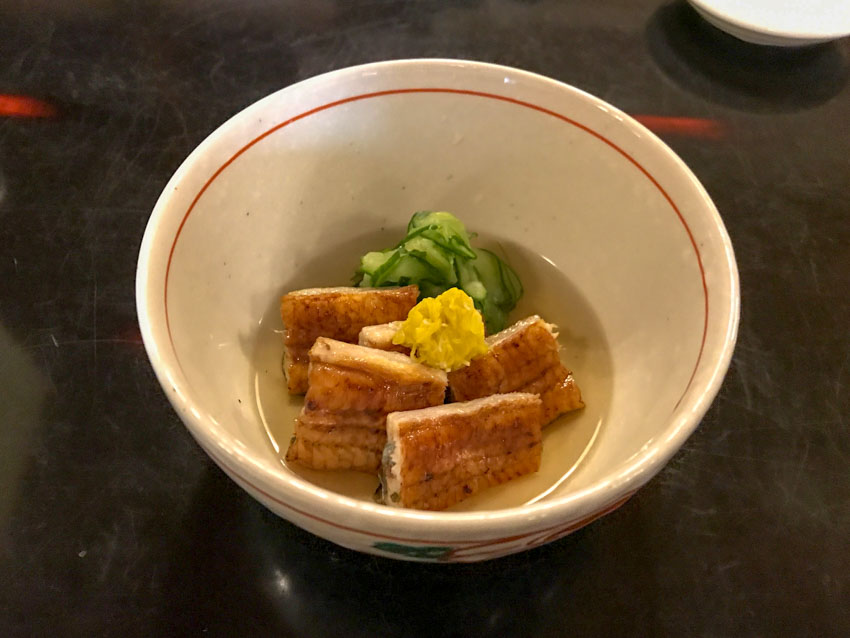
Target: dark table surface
112, 520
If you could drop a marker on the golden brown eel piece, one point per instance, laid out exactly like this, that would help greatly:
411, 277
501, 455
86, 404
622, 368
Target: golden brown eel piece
438, 456
342, 425
522, 358
338, 313
381, 337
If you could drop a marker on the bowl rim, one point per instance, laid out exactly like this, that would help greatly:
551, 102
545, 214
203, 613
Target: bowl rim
623, 479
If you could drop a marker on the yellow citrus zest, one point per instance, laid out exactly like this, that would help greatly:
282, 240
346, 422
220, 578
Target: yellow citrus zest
444, 332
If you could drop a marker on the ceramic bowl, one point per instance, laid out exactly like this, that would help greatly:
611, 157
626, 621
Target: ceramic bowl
779, 23
615, 239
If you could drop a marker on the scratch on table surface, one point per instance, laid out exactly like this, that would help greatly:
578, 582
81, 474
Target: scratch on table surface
119, 171
832, 584
133, 547
94, 322
311, 37
746, 164
111, 546
791, 493
83, 510
181, 118
745, 386
53, 339
214, 68
843, 370
815, 278
117, 167
78, 342
65, 259
727, 566
730, 456
746, 405
208, 17
723, 434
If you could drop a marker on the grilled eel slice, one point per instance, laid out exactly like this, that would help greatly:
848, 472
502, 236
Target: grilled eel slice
522, 358
342, 425
438, 456
338, 313
381, 337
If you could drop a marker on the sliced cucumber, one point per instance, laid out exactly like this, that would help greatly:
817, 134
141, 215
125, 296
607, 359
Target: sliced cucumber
431, 289
384, 266
470, 282
371, 262
495, 317
436, 254
428, 251
444, 229
499, 278
486, 266
407, 269
502, 286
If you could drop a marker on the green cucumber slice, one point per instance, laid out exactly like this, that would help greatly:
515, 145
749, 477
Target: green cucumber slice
431, 253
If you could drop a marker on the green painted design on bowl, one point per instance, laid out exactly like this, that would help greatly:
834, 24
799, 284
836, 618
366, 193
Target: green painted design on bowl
428, 552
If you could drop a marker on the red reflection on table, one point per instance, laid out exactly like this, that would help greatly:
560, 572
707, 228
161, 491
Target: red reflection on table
698, 127
24, 106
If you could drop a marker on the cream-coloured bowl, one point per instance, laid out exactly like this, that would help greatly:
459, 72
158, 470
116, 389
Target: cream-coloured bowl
615, 238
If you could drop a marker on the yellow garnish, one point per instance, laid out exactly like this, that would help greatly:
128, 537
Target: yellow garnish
443, 332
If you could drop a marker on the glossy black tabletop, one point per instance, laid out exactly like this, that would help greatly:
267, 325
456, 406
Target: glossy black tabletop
113, 522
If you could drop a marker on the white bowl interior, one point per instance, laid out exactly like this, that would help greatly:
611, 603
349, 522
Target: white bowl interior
633, 235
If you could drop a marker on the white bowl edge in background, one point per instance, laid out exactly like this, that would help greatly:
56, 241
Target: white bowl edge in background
756, 23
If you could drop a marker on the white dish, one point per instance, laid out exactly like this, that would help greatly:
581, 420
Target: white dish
641, 271
784, 23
